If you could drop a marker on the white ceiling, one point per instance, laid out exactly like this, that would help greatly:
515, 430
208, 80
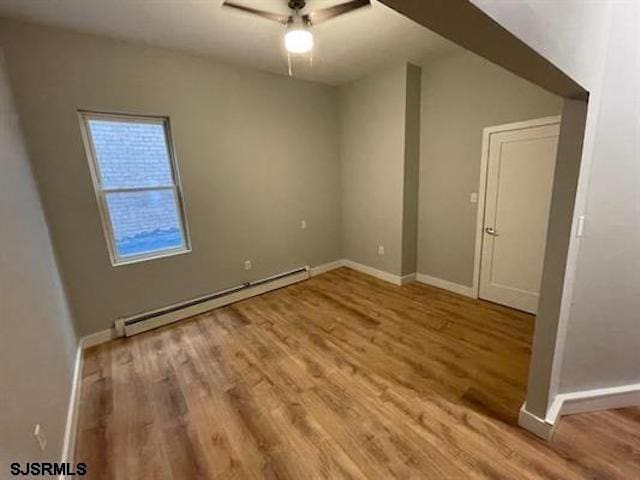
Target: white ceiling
347, 47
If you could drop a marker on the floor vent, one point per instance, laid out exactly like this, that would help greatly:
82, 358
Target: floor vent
173, 313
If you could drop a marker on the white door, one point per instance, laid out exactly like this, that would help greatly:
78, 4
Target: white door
520, 169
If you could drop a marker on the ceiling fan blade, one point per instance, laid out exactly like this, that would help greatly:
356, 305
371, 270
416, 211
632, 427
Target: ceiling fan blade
323, 15
276, 17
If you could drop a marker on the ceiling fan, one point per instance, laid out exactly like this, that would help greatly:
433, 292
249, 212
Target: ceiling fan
298, 38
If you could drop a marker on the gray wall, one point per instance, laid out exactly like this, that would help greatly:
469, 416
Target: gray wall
257, 154
373, 114
411, 170
461, 95
603, 334
37, 340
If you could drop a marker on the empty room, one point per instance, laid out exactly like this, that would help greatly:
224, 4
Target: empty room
319, 239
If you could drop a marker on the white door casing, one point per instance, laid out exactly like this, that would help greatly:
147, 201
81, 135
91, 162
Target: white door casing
519, 161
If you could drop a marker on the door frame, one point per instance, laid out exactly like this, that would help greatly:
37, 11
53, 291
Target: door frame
482, 187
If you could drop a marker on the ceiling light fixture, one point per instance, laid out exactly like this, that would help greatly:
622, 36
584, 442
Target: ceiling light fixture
298, 40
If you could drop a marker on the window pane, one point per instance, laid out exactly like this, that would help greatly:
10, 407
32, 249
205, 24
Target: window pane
130, 154
145, 222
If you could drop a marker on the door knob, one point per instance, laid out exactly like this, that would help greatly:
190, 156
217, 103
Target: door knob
491, 231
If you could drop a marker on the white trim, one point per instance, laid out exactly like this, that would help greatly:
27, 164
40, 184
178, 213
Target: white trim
411, 277
553, 413
97, 338
71, 426
594, 400
326, 267
484, 162
446, 285
536, 425
84, 116
374, 272
579, 402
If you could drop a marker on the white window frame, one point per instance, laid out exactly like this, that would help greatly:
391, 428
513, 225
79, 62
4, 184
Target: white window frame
116, 260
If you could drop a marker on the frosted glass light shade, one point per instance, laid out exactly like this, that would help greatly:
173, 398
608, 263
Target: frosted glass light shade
298, 41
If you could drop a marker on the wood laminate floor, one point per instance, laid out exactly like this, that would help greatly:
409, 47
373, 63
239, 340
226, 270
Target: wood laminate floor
341, 376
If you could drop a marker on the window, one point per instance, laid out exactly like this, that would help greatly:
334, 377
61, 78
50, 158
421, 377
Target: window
137, 185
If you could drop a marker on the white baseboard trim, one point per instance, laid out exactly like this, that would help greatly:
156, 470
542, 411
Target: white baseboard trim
374, 272
97, 338
593, 400
71, 426
411, 277
536, 425
445, 285
326, 267
579, 402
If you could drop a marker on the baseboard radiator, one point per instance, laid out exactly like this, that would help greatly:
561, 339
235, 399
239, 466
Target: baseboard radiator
173, 313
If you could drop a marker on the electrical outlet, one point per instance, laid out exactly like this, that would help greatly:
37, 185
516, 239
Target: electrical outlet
303, 224
473, 198
380, 250
38, 432
247, 265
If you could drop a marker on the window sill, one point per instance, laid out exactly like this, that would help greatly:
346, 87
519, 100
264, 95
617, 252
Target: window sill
148, 258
